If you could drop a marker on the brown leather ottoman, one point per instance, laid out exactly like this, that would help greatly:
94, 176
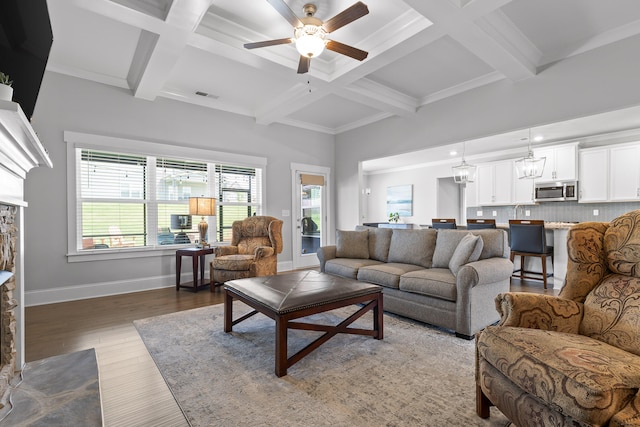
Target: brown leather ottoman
287, 297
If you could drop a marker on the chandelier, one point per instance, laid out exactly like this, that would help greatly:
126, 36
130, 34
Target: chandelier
530, 167
464, 172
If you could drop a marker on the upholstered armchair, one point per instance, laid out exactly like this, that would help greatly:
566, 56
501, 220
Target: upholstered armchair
255, 244
571, 360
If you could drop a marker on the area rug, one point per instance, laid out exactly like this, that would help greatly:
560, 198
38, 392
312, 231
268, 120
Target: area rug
57, 391
416, 376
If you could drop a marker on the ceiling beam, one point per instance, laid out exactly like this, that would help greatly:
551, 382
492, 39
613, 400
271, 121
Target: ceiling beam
490, 35
161, 43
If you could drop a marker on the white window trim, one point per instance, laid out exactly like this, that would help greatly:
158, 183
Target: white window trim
133, 146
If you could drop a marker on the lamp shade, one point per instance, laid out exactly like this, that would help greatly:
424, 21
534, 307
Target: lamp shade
203, 206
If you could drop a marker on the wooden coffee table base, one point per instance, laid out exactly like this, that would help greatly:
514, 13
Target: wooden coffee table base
372, 301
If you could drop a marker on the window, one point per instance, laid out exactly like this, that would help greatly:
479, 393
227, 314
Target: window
239, 196
141, 201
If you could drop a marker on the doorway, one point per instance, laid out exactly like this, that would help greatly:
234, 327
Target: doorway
310, 199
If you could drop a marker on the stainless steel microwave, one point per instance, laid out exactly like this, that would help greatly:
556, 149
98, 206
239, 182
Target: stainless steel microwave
556, 191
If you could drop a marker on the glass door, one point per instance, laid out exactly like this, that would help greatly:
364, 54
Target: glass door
310, 217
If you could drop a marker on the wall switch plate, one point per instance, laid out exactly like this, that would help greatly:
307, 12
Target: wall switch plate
285, 212
478, 213
596, 212
495, 213
527, 213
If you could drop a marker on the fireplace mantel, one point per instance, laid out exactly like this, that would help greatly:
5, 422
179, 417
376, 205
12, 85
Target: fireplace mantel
20, 151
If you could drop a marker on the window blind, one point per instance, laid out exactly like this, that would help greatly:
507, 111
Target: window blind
112, 199
126, 200
239, 193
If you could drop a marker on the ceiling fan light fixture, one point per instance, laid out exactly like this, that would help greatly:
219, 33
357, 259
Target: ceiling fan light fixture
310, 40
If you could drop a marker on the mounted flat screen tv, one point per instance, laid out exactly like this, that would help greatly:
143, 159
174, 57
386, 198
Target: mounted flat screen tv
25, 42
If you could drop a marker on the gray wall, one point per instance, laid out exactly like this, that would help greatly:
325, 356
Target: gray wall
600, 80
70, 104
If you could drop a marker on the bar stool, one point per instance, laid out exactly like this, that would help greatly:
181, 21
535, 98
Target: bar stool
443, 223
476, 224
527, 239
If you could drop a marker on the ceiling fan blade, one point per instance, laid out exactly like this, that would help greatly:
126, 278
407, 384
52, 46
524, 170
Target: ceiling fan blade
303, 65
350, 14
345, 49
286, 12
267, 43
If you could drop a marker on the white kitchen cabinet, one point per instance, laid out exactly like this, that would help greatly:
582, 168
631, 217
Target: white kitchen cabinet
593, 185
495, 183
522, 190
561, 162
624, 174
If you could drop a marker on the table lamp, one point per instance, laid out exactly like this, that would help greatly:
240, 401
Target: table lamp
204, 206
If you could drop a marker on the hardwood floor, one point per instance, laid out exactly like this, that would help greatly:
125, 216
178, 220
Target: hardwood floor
133, 391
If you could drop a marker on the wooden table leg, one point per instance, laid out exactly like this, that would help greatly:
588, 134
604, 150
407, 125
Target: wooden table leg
281, 346
201, 271
178, 268
228, 311
378, 316
194, 264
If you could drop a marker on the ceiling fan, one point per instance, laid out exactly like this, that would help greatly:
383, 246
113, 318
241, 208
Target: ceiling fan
310, 32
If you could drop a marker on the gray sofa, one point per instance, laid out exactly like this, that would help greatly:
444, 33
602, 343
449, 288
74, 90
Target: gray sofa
447, 278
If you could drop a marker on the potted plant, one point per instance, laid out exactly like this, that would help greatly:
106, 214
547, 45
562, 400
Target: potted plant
6, 91
394, 217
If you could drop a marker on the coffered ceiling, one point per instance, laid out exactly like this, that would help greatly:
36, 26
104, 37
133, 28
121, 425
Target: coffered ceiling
420, 51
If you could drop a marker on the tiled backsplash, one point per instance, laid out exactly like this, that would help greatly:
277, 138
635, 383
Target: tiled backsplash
556, 211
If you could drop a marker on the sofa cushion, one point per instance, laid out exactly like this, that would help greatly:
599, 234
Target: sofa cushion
413, 247
347, 267
446, 244
379, 242
589, 379
352, 244
385, 274
622, 244
468, 250
433, 282
612, 311
233, 262
494, 244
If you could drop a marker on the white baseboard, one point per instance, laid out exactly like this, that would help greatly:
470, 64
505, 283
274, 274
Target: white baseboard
119, 287
95, 290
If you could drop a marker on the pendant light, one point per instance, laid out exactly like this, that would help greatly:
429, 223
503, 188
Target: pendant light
530, 167
464, 172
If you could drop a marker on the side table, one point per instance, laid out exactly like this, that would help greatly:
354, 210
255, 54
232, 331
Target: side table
197, 255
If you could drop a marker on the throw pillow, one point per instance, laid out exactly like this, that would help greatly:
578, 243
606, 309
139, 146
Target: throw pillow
352, 244
468, 250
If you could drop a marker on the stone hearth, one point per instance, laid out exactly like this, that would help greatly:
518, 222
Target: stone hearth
8, 244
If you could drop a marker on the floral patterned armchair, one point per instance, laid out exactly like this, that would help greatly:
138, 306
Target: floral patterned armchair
255, 244
571, 360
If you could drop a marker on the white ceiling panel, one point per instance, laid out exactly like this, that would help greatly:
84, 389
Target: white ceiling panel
435, 67
419, 51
